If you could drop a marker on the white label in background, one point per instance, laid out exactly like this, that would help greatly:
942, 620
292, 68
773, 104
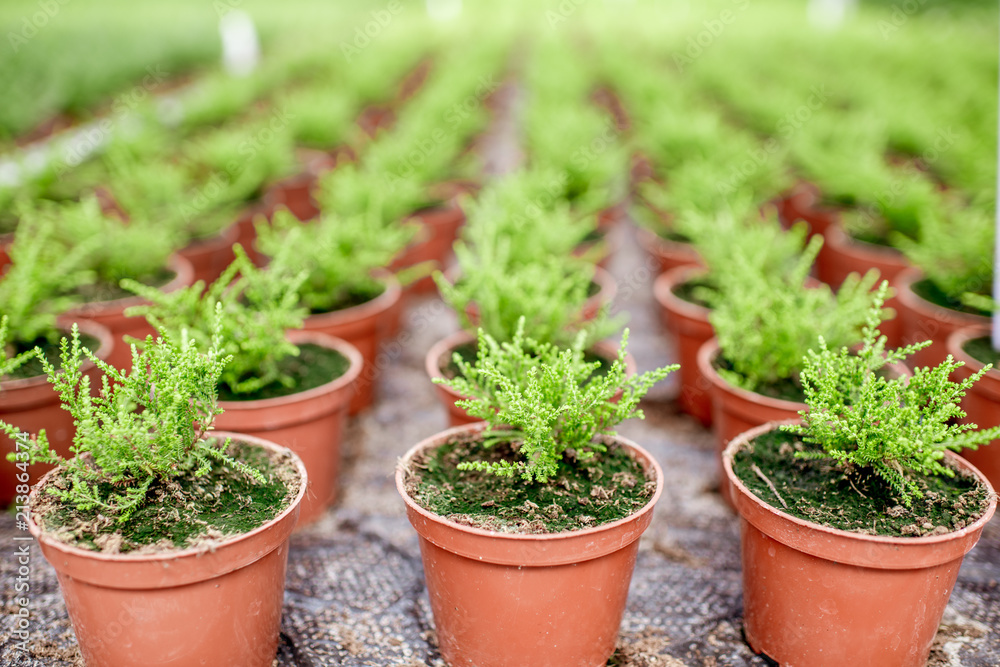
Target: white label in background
240, 46
444, 10
830, 14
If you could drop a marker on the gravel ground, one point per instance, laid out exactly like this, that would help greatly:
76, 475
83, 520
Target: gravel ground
355, 593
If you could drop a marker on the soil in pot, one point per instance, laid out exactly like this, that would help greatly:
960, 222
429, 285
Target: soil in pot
982, 402
818, 595
216, 599
308, 417
505, 599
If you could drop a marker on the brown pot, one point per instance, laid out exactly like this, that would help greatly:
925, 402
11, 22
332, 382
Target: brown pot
295, 194
666, 253
5, 241
736, 410
247, 232
814, 595
509, 600
210, 257
433, 245
364, 326
111, 314
32, 404
922, 320
688, 329
981, 402
218, 604
842, 255
310, 423
440, 354
608, 218
802, 203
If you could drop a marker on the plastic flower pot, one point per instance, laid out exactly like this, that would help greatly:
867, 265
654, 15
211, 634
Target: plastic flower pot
310, 423
440, 226
209, 257
247, 233
32, 404
111, 314
440, 354
295, 194
688, 329
5, 241
218, 604
802, 203
814, 595
981, 402
364, 326
842, 255
922, 320
509, 600
666, 253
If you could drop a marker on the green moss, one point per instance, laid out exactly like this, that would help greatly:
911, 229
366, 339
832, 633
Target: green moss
928, 291
314, 366
689, 291
33, 367
850, 499
609, 487
223, 501
982, 350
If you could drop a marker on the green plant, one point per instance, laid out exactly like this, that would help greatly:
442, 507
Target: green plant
894, 427
546, 400
10, 362
766, 320
257, 307
353, 189
146, 426
338, 253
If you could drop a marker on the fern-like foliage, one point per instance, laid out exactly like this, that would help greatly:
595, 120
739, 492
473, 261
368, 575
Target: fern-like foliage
149, 425
546, 401
9, 361
258, 306
895, 427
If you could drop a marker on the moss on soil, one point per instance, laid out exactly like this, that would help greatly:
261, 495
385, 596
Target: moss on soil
689, 290
609, 487
314, 366
105, 291
851, 499
928, 291
50, 349
183, 514
982, 350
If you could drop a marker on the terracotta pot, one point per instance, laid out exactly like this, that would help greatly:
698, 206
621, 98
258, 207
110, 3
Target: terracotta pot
842, 255
364, 326
5, 241
687, 329
609, 217
922, 320
295, 194
814, 595
508, 600
434, 245
247, 232
735, 410
111, 314
981, 403
310, 423
375, 118
32, 404
219, 604
210, 257
440, 354
666, 253
802, 203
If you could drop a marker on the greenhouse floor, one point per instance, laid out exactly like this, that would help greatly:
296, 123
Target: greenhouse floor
355, 593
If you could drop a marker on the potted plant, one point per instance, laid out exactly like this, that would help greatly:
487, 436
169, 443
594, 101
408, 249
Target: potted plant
854, 522
526, 561
347, 291
952, 258
291, 386
764, 323
200, 585
31, 300
972, 347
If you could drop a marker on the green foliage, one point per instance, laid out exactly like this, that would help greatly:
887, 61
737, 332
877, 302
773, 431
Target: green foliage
766, 320
353, 189
10, 363
145, 427
257, 307
545, 400
338, 253
895, 427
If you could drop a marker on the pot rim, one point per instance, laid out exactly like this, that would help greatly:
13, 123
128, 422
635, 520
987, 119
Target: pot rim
225, 238
663, 292
64, 324
838, 237
656, 245
369, 309
512, 541
707, 354
886, 552
190, 552
959, 337
904, 292
316, 338
183, 277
